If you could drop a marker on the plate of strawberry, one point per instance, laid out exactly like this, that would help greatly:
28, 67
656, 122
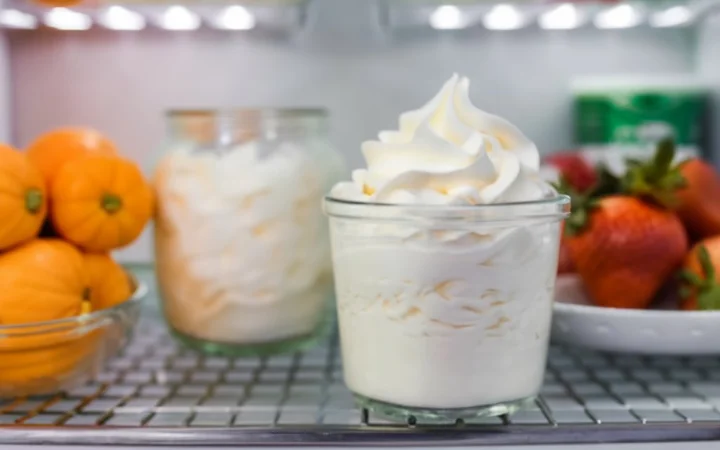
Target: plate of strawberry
639, 266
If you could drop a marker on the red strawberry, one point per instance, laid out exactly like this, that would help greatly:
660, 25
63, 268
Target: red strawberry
627, 251
576, 171
701, 271
699, 201
622, 237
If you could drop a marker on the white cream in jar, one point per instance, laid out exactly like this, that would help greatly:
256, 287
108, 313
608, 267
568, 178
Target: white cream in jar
241, 244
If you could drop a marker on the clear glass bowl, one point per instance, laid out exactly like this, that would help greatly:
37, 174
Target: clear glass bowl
47, 357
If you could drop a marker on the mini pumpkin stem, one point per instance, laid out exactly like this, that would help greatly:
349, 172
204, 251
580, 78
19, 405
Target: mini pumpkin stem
111, 203
706, 287
33, 200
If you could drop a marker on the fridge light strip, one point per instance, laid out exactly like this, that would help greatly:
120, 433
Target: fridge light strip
67, 19
179, 18
563, 17
12, 18
235, 17
504, 17
119, 18
671, 17
621, 16
556, 16
447, 17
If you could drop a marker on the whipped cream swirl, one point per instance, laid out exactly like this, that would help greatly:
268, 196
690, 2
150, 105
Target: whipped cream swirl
448, 152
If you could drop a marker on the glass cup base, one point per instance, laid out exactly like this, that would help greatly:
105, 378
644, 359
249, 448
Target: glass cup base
255, 349
412, 415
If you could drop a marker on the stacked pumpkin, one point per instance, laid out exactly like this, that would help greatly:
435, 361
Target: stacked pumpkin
65, 204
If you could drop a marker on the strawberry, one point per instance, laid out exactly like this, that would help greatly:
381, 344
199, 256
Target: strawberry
623, 239
627, 251
701, 286
565, 262
604, 184
699, 201
574, 169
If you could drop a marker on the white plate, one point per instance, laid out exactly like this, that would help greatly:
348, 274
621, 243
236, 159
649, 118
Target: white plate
651, 332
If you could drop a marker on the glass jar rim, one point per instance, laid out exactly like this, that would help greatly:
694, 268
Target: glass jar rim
222, 126
549, 208
261, 112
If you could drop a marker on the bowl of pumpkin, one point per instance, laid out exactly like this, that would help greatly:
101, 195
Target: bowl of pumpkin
66, 306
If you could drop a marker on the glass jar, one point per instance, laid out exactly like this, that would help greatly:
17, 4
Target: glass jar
444, 310
241, 244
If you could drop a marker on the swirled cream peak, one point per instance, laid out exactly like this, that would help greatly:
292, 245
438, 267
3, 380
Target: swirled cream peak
448, 152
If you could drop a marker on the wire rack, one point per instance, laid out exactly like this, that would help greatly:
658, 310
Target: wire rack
155, 391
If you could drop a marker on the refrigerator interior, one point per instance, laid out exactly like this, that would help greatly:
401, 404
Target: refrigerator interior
365, 61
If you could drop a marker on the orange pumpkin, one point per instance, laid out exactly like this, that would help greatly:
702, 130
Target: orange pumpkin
109, 284
45, 279
23, 203
51, 151
100, 202
41, 280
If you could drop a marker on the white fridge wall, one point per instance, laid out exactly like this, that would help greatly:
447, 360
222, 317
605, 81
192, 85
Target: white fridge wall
122, 83
708, 66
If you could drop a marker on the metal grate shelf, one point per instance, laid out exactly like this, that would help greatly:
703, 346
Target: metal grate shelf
157, 392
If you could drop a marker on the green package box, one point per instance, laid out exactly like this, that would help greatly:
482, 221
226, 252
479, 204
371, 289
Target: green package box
627, 113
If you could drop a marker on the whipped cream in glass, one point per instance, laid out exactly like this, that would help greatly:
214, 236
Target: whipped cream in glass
448, 152
242, 249
444, 255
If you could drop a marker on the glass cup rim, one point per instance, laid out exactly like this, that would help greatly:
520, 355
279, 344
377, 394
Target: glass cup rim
556, 207
141, 290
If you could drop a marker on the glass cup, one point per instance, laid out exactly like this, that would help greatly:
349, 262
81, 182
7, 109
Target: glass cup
444, 311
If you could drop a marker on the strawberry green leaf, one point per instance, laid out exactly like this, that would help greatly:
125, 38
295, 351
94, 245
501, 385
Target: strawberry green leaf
632, 162
705, 286
692, 278
576, 221
706, 264
581, 205
685, 292
665, 154
709, 299
656, 180
607, 184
